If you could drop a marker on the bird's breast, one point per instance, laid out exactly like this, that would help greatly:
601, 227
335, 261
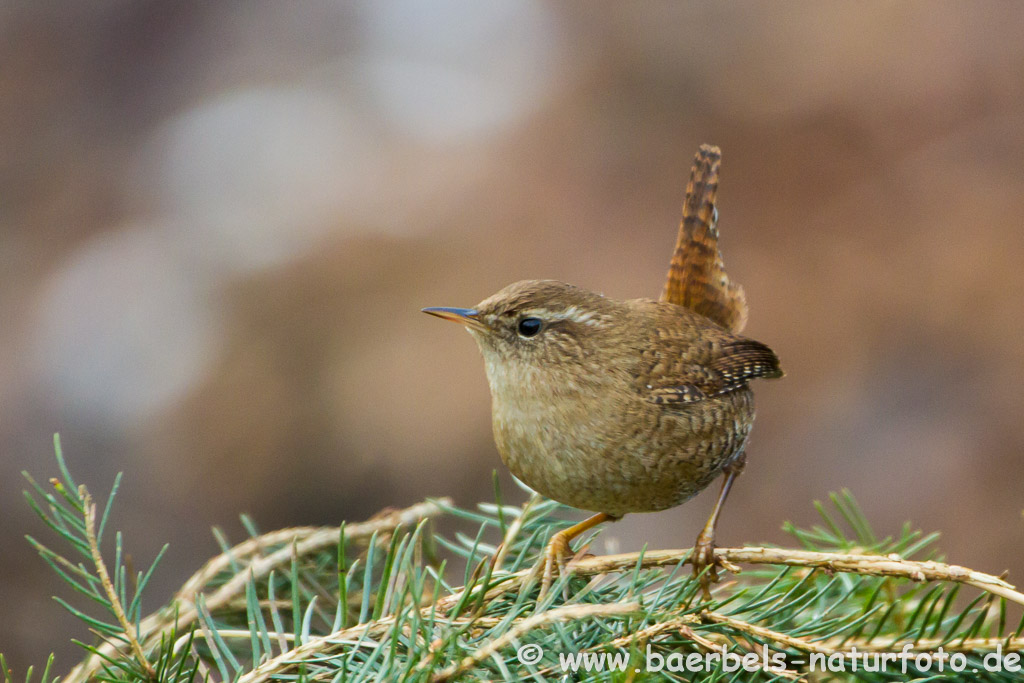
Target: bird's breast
548, 420
593, 442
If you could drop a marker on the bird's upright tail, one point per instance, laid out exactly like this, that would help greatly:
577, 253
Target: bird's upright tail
696, 276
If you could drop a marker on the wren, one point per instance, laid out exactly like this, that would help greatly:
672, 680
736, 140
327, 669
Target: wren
625, 406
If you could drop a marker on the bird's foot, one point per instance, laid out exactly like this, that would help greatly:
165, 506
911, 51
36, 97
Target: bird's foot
706, 564
555, 556
558, 549
705, 568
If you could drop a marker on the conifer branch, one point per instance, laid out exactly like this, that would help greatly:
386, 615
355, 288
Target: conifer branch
524, 626
182, 612
89, 515
299, 591
868, 565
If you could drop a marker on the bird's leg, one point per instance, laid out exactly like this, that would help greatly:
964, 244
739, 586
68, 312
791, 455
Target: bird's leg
558, 548
704, 548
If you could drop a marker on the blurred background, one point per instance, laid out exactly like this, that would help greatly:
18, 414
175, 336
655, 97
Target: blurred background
219, 221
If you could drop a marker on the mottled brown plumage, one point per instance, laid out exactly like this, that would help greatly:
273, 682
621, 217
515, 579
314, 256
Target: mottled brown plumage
625, 406
696, 277
614, 406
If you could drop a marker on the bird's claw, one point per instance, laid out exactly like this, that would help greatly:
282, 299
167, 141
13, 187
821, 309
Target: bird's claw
555, 555
705, 565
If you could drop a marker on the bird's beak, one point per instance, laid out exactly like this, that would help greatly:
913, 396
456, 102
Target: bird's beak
463, 316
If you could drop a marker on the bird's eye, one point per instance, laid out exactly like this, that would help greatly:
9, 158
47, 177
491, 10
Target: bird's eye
529, 327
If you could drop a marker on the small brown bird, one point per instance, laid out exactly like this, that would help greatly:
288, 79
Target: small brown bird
625, 406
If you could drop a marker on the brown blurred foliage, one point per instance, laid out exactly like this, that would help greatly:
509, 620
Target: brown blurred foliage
218, 222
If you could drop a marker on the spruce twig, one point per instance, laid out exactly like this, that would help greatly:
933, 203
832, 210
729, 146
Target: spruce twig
306, 540
377, 602
867, 565
89, 514
566, 613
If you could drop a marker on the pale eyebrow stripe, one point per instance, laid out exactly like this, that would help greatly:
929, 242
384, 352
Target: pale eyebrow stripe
572, 314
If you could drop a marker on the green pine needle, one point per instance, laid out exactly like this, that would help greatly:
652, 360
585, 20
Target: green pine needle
391, 599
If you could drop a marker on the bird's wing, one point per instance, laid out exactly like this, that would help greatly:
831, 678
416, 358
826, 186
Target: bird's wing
696, 278
715, 365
